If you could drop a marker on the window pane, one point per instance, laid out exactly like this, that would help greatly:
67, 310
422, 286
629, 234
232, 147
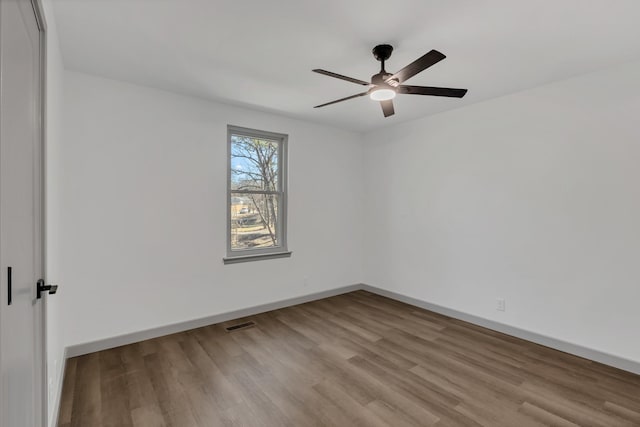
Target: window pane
254, 221
254, 164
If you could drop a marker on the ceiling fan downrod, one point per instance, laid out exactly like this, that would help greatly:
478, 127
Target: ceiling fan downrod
382, 52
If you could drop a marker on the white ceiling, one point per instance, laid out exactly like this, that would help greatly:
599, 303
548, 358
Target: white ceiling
260, 53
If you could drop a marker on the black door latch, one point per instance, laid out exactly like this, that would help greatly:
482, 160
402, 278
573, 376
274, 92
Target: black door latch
41, 287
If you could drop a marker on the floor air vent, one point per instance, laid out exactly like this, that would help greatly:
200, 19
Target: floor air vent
244, 325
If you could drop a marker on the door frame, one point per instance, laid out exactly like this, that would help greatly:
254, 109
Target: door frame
38, 10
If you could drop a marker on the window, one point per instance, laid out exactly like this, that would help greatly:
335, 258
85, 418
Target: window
256, 195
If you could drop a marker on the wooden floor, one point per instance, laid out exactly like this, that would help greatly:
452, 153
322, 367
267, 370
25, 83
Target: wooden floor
353, 360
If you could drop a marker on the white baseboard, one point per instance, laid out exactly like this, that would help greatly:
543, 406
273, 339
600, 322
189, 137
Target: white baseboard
567, 347
117, 341
547, 341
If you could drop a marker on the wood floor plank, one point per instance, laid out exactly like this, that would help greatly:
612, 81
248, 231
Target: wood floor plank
356, 359
359, 414
140, 389
87, 400
114, 390
148, 416
66, 402
623, 412
546, 417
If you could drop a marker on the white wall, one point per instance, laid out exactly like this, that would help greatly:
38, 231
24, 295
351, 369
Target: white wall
139, 231
54, 96
532, 197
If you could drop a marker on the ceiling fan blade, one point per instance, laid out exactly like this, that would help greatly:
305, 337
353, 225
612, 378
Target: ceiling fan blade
341, 77
420, 64
433, 91
342, 99
387, 108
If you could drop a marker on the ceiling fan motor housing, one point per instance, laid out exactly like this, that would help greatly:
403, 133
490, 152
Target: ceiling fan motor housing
379, 79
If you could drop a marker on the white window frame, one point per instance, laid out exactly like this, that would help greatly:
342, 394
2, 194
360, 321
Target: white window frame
280, 251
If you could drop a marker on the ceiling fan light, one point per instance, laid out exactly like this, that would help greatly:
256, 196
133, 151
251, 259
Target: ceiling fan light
382, 94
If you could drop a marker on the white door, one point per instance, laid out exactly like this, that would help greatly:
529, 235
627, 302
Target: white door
21, 221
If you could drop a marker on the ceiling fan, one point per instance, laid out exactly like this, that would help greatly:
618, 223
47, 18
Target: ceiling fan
384, 86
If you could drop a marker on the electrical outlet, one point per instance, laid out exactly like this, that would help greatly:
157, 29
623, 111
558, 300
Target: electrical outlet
501, 306
305, 281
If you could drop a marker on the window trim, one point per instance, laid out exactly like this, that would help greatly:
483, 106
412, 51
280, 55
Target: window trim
280, 251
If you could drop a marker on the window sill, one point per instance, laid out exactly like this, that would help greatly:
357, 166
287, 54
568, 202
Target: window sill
257, 257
